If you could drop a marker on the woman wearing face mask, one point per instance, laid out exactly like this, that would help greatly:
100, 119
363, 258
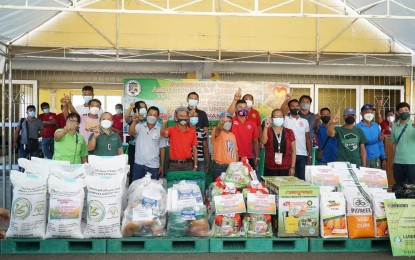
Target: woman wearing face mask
375, 150
69, 145
386, 122
403, 139
225, 149
104, 142
325, 143
203, 156
280, 150
90, 122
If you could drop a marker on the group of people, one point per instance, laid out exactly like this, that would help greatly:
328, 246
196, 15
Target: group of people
288, 136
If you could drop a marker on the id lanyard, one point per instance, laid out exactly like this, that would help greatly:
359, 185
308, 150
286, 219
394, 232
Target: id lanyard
279, 138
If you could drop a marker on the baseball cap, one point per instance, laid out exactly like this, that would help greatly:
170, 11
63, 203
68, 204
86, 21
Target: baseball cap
367, 106
225, 114
349, 111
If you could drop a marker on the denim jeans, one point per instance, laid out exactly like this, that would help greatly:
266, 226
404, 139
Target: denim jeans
48, 146
218, 169
139, 171
300, 163
23, 153
201, 166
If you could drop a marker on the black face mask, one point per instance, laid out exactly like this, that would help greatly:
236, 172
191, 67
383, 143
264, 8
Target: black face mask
325, 119
294, 111
349, 120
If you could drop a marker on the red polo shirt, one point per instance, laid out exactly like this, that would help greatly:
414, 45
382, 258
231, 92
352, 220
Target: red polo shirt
254, 116
245, 134
61, 120
49, 130
117, 122
181, 142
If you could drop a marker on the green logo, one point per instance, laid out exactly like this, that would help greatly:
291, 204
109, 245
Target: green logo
96, 211
21, 208
397, 240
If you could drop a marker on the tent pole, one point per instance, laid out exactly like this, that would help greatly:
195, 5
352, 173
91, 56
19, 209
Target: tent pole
10, 139
3, 134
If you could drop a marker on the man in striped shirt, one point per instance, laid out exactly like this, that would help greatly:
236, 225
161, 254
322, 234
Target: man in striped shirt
203, 158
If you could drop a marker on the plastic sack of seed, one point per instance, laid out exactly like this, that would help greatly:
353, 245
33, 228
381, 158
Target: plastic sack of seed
66, 202
28, 211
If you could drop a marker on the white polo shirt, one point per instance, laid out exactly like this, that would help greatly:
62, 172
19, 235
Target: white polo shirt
300, 127
147, 145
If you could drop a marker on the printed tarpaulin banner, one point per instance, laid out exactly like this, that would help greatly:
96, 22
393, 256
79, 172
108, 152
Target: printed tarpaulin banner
214, 96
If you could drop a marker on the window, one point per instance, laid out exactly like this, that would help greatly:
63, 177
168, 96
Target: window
107, 102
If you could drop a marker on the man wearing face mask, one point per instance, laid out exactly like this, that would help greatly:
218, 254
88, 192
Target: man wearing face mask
50, 124
117, 121
253, 114
29, 130
246, 133
183, 142
87, 95
90, 122
225, 149
104, 142
193, 101
138, 109
403, 139
375, 150
350, 139
150, 146
301, 130
203, 156
305, 104
326, 143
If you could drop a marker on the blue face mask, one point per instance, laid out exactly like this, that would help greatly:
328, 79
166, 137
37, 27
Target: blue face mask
46, 110
194, 120
142, 111
118, 111
87, 99
32, 113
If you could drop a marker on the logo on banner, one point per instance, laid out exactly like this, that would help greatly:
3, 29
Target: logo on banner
132, 88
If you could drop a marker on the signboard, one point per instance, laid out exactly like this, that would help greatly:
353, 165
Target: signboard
401, 222
214, 96
261, 204
228, 204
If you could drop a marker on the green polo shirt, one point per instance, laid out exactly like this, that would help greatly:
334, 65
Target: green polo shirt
70, 148
404, 153
107, 145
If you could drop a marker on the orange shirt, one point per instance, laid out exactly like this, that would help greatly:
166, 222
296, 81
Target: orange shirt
254, 116
181, 143
224, 147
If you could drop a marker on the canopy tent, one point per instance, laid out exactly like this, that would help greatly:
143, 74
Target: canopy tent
293, 32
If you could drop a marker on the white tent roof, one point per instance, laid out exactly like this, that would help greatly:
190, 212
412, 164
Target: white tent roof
368, 32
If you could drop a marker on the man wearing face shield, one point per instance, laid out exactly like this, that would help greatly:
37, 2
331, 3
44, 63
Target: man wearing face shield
350, 139
150, 146
225, 149
90, 122
375, 150
183, 142
103, 141
69, 145
403, 139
